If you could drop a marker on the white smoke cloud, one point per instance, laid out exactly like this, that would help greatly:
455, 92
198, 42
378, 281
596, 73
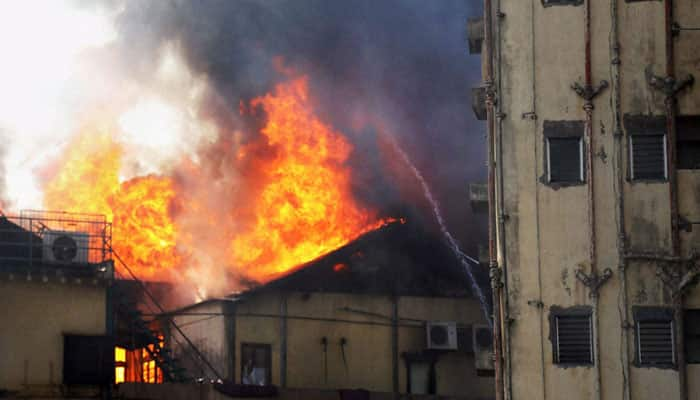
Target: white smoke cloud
62, 68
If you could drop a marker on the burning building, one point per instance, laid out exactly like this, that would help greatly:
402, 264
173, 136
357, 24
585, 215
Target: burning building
389, 312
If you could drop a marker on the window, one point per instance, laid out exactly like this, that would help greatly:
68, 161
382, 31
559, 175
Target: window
565, 160
548, 3
150, 372
647, 147
691, 328
654, 336
564, 152
688, 142
119, 365
420, 373
256, 363
572, 336
648, 157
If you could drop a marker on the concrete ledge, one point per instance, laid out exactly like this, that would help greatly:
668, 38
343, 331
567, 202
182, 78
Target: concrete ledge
193, 391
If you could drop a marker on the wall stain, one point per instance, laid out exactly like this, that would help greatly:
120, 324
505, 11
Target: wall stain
565, 280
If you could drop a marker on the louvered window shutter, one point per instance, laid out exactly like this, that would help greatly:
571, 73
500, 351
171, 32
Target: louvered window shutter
655, 342
648, 157
574, 344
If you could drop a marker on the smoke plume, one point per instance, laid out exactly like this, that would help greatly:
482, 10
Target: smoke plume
175, 80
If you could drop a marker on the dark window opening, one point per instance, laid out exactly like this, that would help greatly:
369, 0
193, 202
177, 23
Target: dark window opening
88, 360
548, 3
573, 338
648, 157
654, 336
565, 159
256, 364
420, 373
691, 328
688, 142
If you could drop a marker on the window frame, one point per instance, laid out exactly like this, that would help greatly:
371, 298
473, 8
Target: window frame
645, 125
575, 311
429, 358
685, 125
658, 315
687, 334
555, 3
664, 142
564, 130
267, 347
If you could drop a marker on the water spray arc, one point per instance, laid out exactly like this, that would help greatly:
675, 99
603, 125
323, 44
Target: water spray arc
466, 261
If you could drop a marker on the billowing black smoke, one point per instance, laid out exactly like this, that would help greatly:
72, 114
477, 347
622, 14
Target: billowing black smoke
402, 61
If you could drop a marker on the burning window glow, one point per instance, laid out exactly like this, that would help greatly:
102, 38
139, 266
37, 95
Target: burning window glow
120, 365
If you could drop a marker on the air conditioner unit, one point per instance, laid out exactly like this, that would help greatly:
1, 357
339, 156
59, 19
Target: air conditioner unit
441, 335
482, 338
61, 247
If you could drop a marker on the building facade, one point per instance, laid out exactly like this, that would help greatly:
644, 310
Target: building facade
594, 156
54, 324
361, 317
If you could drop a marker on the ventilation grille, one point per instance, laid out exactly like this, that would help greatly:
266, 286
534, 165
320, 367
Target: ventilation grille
655, 342
574, 344
649, 157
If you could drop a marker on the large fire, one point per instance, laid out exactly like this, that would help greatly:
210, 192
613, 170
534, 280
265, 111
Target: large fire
305, 208
298, 203
88, 182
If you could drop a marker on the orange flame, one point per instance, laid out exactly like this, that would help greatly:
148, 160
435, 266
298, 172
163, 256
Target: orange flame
297, 204
305, 208
88, 182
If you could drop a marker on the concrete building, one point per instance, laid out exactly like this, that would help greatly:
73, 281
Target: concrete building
390, 312
593, 126
54, 275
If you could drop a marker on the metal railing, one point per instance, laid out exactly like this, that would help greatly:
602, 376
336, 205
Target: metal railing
49, 238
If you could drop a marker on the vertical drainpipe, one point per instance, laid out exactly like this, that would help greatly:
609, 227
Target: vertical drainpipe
283, 340
493, 264
229, 309
395, 345
501, 234
670, 104
589, 94
620, 196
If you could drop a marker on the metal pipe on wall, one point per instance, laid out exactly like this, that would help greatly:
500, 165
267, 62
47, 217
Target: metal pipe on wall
395, 345
493, 264
283, 340
618, 134
670, 105
501, 234
588, 127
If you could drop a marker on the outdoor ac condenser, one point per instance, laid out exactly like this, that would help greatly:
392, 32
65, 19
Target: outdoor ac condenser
61, 247
482, 338
441, 335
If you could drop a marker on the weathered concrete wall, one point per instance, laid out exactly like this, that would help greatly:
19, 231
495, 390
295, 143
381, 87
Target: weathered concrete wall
171, 391
34, 315
208, 333
363, 321
539, 55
